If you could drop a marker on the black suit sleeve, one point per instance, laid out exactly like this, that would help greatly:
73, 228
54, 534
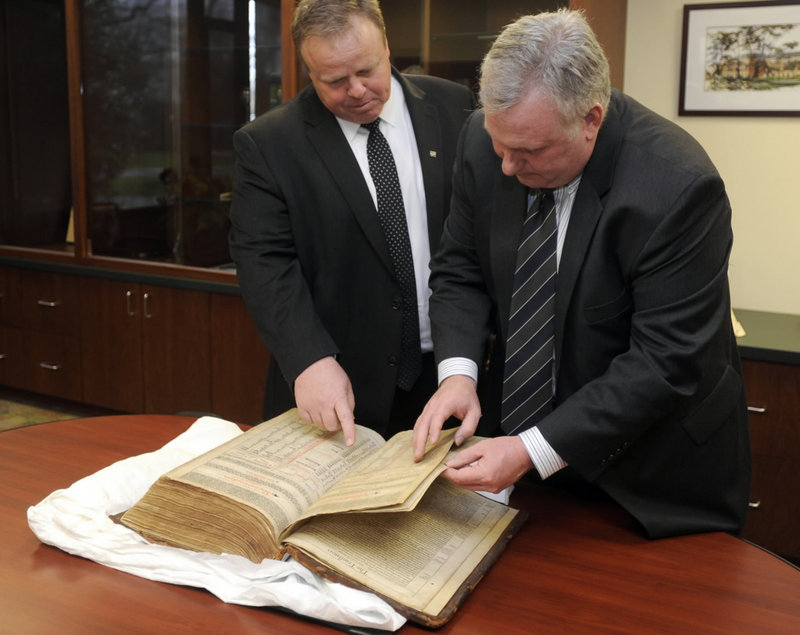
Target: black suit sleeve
269, 270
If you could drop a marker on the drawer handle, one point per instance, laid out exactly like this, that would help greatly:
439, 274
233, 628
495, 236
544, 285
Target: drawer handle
49, 303
3, 355
754, 504
47, 366
756, 409
128, 305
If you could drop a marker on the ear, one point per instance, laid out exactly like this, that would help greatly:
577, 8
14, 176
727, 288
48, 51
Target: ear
592, 121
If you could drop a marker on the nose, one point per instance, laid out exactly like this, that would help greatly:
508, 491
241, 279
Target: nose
355, 88
509, 162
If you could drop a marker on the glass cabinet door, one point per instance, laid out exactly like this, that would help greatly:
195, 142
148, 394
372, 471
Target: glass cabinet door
448, 38
35, 187
165, 85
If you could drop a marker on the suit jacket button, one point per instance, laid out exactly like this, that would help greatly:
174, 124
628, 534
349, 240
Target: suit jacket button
397, 305
392, 360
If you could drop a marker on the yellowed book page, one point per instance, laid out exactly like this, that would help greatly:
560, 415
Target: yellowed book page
279, 467
386, 479
420, 558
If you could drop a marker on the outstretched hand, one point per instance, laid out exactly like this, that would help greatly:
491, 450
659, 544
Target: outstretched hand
324, 398
456, 397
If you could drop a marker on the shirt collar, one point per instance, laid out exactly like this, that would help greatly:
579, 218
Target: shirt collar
391, 112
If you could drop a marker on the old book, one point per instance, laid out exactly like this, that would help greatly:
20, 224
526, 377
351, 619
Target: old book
367, 515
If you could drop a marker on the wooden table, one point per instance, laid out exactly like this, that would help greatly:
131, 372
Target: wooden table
577, 566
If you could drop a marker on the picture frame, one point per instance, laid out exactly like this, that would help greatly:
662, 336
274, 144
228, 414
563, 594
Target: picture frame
741, 59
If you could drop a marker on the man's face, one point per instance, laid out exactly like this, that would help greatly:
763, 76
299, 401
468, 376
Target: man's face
535, 147
350, 72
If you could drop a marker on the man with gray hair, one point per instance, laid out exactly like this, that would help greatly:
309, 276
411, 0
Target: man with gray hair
581, 290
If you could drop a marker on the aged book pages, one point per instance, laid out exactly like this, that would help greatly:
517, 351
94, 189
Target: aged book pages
269, 476
419, 560
388, 480
241, 496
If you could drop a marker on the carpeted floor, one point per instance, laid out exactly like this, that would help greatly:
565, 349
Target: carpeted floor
22, 409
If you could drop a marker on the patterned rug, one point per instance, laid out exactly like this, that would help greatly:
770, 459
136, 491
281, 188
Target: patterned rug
18, 413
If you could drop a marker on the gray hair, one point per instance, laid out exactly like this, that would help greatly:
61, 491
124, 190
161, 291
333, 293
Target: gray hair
557, 53
328, 18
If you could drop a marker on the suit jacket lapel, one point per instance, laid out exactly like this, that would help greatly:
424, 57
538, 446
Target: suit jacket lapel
326, 136
586, 212
429, 140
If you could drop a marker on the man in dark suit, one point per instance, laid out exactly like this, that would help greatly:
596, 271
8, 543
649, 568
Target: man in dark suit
312, 259
644, 394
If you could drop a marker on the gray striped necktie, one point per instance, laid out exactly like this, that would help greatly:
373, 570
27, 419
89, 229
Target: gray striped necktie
392, 214
527, 379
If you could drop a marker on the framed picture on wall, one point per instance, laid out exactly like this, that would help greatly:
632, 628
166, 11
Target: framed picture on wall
740, 59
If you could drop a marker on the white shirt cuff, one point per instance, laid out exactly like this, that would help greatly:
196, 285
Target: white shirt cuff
545, 459
457, 366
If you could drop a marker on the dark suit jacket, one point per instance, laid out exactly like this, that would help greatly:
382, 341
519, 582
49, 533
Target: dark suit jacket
649, 396
312, 261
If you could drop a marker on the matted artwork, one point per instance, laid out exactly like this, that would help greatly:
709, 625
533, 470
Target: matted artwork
741, 58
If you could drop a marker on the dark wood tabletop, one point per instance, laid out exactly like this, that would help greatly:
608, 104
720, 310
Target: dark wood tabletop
579, 565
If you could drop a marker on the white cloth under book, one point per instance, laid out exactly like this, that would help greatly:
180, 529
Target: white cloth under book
77, 521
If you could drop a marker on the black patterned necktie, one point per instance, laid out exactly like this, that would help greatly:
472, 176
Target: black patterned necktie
392, 214
528, 375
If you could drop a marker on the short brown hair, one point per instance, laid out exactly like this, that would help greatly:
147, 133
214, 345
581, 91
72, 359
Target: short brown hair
331, 17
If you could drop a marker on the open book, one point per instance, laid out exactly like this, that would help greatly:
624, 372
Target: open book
367, 515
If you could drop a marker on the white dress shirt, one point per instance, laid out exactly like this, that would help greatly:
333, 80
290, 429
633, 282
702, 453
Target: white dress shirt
396, 127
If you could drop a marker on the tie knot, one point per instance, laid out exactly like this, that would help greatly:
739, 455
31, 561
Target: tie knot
372, 125
541, 200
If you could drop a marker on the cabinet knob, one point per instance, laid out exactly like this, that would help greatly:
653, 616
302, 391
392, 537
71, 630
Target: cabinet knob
754, 504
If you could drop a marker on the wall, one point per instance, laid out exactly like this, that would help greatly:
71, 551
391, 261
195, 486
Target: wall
757, 157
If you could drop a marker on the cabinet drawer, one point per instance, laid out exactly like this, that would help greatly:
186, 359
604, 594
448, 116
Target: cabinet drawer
773, 520
53, 365
773, 397
41, 300
12, 368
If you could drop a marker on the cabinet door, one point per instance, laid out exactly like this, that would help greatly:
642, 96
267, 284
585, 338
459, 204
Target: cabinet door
111, 337
175, 350
239, 361
3, 296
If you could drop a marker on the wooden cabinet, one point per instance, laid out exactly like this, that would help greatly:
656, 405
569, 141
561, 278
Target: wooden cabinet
130, 346
111, 334
41, 351
773, 396
145, 348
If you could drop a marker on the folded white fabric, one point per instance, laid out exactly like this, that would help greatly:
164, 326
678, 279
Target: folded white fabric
77, 521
